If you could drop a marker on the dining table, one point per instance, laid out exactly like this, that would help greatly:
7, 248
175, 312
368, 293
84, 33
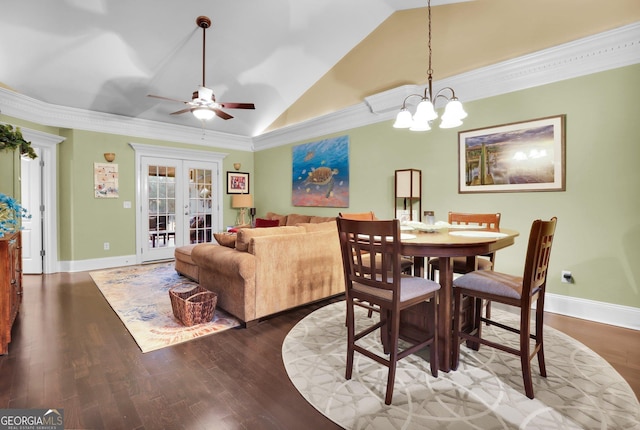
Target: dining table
445, 243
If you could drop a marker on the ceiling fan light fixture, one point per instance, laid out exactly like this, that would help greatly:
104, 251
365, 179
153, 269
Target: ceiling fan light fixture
203, 113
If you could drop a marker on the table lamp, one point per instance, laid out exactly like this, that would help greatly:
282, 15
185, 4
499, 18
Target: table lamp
242, 202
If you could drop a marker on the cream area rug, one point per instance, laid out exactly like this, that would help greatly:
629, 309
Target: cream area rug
139, 295
581, 391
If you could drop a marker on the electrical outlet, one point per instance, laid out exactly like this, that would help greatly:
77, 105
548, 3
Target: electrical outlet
106, 246
566, 277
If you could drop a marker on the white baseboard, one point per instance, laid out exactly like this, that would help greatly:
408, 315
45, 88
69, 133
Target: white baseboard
96, 264
607, 313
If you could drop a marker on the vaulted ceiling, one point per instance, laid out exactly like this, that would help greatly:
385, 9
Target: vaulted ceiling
295, 59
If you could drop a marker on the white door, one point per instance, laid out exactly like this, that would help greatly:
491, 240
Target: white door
176, 205
31, 190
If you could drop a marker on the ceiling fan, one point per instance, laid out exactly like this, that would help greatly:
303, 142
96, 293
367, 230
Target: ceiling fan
203, 104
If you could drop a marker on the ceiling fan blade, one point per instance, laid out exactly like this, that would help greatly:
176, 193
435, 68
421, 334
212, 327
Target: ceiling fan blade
222, 114
181, 111
237, 105
166, 98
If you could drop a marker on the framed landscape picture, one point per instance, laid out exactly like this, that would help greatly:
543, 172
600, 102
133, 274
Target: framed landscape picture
516, 157
237, 183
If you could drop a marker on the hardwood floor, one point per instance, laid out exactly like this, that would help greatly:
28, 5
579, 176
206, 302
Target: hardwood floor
71, 351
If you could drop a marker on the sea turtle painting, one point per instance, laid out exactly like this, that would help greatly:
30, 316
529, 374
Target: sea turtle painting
322, 176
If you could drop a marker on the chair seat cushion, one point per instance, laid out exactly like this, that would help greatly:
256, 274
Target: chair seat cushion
410, 288
488, 281
460, 264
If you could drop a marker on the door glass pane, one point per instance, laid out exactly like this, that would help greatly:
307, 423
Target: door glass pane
200, 208
161, 203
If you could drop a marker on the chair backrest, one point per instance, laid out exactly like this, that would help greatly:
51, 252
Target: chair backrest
487, 221
361, 216
537, 261
371, 256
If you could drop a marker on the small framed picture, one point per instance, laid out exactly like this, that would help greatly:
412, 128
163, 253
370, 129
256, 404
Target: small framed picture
237, 183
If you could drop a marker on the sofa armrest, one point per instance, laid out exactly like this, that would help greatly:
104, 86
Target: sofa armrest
231, 274
292, 270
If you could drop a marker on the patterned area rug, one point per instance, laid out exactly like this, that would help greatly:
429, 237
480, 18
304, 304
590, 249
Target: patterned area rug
139, 295
581, 391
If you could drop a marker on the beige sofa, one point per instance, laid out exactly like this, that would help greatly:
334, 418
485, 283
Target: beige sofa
270, 270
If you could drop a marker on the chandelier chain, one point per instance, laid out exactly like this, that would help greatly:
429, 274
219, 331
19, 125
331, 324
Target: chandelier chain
429, 71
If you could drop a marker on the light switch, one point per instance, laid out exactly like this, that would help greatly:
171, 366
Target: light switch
127, 205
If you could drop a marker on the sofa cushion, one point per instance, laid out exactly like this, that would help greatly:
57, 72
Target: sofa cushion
261, 222
281, 218
246, 234
294, 219
318, 219
320, 226
226, 239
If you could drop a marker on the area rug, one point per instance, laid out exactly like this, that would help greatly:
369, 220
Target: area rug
581, 391
139, 295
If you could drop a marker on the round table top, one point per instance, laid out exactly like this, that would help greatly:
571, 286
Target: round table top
455, 242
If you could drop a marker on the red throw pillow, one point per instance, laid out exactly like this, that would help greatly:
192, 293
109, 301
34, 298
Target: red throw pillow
261, 222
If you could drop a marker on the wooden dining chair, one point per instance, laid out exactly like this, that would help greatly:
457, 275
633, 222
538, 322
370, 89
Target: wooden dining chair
518, 291
406, 263
488, 221
373, 275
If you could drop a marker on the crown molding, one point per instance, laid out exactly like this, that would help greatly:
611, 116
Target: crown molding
27, 108
605, 51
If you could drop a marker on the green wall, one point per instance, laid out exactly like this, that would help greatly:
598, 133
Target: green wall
86, 222
598, 233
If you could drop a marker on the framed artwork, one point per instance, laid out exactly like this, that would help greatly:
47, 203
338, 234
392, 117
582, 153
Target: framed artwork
237, 183
321, 173
517, 157
105, 180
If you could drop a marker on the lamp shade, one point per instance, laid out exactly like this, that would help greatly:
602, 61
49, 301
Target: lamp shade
203, 113
403, 119
241, 201
408, 183
425, 112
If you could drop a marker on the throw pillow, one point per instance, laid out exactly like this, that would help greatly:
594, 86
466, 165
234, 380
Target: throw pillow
261, 223
281, 218
225, 239
295, 219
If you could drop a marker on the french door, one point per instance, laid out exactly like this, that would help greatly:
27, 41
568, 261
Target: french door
179, 205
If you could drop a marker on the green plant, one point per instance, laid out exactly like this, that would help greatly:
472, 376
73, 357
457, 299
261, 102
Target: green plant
10, 212
11, 139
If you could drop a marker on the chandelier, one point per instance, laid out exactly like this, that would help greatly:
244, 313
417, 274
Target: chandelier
425, 112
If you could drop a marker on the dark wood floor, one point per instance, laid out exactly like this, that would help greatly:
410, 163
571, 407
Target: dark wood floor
71, 351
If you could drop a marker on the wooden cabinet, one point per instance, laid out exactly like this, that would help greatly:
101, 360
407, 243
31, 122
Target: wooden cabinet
10, 286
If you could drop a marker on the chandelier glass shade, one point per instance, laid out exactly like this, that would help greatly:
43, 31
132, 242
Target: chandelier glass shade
425, 111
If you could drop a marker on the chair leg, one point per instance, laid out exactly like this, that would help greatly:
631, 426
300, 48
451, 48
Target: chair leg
433, 348
488, 310
540, 338
477, 323
525, 359
394, 322
350, 338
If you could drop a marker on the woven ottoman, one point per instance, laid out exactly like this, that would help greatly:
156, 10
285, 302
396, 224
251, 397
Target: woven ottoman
184, 264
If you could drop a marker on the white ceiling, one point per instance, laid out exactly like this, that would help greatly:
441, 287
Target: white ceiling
107, 56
